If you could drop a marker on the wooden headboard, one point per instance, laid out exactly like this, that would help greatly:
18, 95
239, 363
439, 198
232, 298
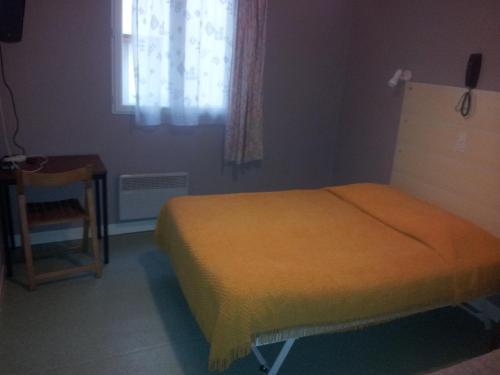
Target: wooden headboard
447, 160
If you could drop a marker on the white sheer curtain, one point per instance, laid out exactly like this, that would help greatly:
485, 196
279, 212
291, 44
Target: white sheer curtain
182, 52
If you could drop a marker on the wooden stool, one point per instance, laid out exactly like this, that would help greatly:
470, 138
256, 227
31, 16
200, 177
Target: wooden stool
45, 213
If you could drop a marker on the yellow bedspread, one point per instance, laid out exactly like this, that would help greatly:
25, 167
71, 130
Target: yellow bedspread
264, 262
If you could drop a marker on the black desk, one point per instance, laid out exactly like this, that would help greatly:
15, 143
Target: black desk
57, 164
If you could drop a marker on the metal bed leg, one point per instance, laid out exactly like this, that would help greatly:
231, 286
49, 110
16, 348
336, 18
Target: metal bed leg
484, 310
264, 367
488, 313
478, 314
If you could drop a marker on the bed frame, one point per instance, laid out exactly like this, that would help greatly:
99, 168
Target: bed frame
447, 160
482, 309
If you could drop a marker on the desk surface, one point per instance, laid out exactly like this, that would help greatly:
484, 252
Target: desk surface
60, 163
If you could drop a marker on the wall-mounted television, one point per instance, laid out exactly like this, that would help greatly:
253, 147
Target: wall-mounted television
11, 20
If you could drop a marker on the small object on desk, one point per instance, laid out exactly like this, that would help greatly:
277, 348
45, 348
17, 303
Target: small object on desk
15, 158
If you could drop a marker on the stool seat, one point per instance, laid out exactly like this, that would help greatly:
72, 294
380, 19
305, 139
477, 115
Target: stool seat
44, 213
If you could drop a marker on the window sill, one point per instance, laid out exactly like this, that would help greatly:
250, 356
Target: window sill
123, 110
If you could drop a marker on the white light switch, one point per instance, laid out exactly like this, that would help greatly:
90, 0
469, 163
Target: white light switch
461, 143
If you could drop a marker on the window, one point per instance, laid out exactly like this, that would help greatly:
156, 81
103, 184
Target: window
196, 38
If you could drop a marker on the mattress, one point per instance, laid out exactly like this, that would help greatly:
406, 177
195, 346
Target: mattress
259, 264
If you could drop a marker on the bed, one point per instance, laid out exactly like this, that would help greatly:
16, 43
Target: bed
265, 267
259, 268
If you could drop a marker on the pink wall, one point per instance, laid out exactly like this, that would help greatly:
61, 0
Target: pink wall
61, 76
434, 40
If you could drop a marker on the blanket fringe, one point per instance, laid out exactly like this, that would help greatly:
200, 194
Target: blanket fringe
221, 364
304, 331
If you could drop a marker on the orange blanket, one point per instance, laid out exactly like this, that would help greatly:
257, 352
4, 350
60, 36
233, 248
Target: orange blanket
264, 262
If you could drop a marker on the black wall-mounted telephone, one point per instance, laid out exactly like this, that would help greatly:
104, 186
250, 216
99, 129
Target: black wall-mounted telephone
473, 70
471, 79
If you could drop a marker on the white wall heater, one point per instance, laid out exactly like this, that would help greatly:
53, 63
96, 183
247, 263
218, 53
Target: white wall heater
142, 195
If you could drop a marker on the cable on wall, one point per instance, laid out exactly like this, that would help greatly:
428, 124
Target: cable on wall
13, 101
464, 104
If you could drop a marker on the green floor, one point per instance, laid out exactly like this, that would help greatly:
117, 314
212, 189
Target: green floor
135, 321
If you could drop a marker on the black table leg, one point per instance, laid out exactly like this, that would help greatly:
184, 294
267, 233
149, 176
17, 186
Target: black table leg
105, 218
10, 221
4, 196
97, 188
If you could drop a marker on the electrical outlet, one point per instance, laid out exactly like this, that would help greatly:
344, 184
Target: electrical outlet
461, 143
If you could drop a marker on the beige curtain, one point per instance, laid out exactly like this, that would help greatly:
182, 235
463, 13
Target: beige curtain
243, 136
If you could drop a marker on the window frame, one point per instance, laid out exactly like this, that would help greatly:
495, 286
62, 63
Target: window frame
116, 61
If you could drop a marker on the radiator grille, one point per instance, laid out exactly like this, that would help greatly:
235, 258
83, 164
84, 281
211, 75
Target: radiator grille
142, 195
154, 182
